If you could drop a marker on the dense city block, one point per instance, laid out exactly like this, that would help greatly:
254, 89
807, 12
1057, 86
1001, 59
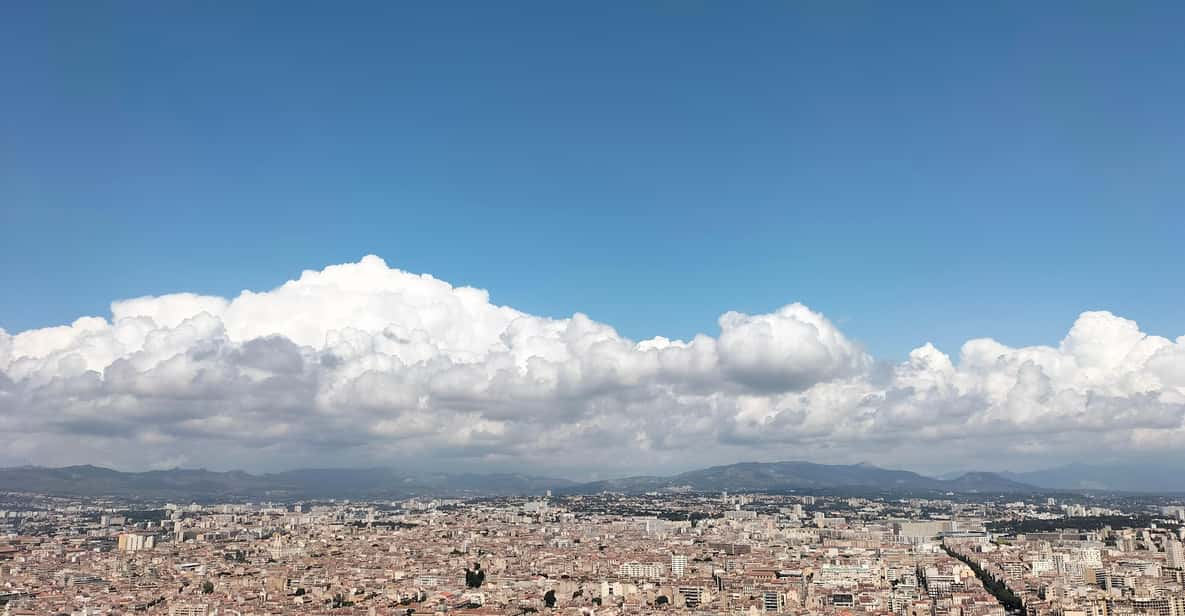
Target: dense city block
660, 552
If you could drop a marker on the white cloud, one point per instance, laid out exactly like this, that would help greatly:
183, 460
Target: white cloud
793, 347
364, 364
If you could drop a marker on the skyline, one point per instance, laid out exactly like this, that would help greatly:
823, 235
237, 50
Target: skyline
565, 309
362, 364
788, 553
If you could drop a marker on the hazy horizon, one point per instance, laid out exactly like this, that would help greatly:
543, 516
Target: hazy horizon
533, 472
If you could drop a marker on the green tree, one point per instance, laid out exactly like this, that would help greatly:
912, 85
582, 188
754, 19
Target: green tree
475, 576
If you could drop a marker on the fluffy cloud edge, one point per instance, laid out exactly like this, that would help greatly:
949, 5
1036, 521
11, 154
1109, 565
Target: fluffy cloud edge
364, 362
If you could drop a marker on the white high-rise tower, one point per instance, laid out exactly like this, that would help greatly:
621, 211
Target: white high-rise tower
678, 564
1175, 554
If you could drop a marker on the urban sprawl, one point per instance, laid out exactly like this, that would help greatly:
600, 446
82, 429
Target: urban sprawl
605, 554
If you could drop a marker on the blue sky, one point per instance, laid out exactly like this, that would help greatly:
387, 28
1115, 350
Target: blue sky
914, 171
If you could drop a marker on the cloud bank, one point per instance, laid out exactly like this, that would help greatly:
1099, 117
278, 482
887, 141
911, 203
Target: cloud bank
365, 364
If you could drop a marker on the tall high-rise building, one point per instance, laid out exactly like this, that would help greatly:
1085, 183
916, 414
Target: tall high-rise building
678, 565
134, 542
1175, 554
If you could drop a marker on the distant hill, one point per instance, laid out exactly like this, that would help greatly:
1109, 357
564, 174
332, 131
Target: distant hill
382, 483
97, 481
1112, 478
798, 475
782, 476
200, 484
980, 482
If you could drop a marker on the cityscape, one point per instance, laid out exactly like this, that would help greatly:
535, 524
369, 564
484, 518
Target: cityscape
613, 308
857, 550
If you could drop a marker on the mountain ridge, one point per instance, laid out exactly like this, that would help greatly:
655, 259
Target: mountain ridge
384, 482
800, 475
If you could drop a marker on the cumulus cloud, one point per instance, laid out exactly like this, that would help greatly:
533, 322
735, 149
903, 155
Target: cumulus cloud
791, 348
362, 363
